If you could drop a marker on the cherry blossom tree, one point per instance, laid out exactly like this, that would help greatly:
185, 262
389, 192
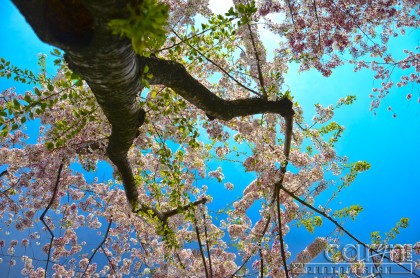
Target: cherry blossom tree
161, 89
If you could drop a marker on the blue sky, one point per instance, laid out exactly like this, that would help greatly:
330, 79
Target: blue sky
388, 191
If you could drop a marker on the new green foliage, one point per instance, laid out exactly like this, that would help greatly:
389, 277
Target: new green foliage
145, 26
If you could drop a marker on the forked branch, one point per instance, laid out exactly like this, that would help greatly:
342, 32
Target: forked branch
3, 173
279, 185
267, 223
45, 212
207, 245
99, 246
257, 58
220, 68
339, 226
203, 257
276, 197
175, 76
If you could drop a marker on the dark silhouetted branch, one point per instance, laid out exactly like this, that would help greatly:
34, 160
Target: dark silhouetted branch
207, 245
283, 253
178, 210
3, 173
179, 260
203, 257
45, 212
261, 263
291, 12
163, 217
99, 246
174, 75
114, 72
109, 260
279, 185
257, 57
219, 67
259, 243
339, 226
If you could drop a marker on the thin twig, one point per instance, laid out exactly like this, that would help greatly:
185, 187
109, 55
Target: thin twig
319, 26
180, 209
291, 12
99, 246
220, 68
257, 57
45, 212
283, 253
3, 173
261, 264
343, 229
109, 260
179, 259
190, 37
201, 249
259, 243
207, 245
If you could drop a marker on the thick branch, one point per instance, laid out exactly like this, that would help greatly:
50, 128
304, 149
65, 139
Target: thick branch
163, 216
175, 76
178, 210
106, 62
279, 185
113, 72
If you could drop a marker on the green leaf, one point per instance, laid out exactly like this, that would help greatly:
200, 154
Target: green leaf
361, 166
153, 94
145, 26
27, 98
57, 62
79, 82
37, 91
404, 222
74, 76
56, 52
16, 104
43, 106
4, 132
318, 221
49, 145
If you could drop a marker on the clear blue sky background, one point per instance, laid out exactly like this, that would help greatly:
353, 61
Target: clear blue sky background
389, 191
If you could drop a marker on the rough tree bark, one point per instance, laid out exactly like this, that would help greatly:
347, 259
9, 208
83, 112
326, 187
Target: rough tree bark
113, 71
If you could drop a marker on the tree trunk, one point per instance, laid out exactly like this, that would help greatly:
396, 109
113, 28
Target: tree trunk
113, 71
